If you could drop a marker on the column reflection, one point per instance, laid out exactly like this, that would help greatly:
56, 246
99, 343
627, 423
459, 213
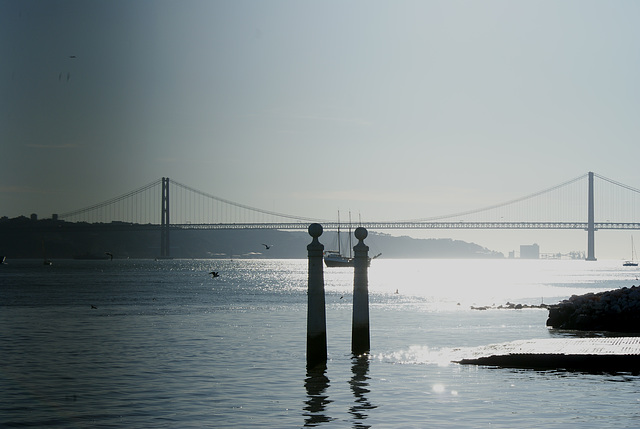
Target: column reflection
359, 387
316, 384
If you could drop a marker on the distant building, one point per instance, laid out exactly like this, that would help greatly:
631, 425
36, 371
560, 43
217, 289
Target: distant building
529, 251
54, 216
34, 217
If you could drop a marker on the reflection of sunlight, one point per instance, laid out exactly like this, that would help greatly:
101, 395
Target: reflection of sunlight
438, 388
422, 355
445, 281
441, 389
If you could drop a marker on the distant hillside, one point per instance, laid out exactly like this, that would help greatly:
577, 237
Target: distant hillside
26, 238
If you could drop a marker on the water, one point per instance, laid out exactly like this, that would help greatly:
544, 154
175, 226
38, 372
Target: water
168, 346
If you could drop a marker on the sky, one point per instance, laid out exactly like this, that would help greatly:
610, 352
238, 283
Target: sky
391, 109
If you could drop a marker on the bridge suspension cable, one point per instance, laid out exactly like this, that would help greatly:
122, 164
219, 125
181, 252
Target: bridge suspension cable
500, 205
76, 213
242, 206
622, 185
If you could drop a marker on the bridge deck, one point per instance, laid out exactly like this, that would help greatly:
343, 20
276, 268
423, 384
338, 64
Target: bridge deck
620, 354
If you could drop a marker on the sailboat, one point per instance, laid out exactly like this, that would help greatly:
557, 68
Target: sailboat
632, 262
335, 258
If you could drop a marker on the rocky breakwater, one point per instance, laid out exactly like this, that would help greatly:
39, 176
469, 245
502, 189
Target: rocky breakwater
616, 311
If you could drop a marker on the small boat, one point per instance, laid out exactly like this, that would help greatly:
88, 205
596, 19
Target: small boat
633, 262
335, 258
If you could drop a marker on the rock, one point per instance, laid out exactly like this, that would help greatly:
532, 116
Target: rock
509, 306
616, 310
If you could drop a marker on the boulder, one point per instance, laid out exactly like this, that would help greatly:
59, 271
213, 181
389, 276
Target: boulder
616, 311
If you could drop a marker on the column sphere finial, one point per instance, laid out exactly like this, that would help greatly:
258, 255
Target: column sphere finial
315, 230
361, 233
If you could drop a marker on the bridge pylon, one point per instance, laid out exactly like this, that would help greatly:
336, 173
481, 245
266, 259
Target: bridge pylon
591, 245
164, 216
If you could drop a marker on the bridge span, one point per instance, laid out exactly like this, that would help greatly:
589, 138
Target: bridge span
332, 226
574, 205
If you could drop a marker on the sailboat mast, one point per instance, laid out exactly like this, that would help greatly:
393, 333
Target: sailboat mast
339, 252
349, 234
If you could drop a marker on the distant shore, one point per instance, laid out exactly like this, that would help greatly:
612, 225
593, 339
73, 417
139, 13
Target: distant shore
25, 238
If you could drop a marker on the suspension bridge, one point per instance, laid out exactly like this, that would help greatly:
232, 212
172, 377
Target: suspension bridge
589, 202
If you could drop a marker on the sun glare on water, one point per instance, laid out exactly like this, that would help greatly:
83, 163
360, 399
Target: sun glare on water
483, 282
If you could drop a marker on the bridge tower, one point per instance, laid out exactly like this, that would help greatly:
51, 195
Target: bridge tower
591, 246
164, 229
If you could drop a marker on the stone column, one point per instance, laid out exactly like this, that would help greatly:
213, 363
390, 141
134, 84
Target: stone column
316, 316
360, 324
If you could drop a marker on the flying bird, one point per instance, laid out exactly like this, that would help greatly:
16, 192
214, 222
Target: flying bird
267, 246
214, 274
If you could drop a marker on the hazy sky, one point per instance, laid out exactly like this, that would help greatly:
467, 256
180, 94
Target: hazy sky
393, 109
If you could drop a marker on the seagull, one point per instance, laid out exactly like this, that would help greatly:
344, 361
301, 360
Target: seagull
267, 246
72, 56
214, 274
94, 307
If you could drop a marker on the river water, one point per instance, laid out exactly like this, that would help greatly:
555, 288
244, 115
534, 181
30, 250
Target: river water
162, 344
